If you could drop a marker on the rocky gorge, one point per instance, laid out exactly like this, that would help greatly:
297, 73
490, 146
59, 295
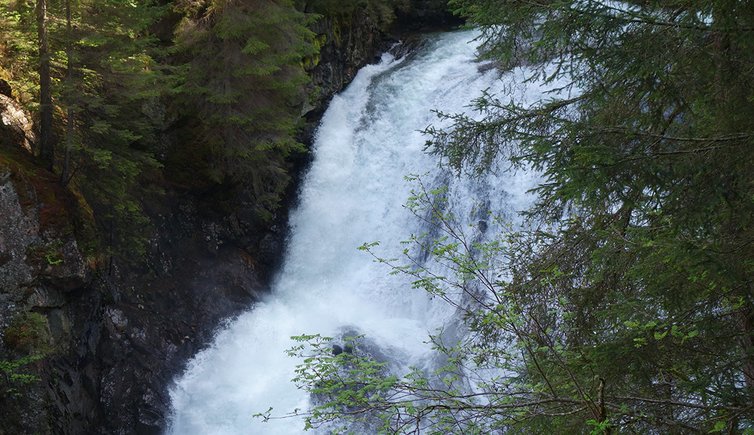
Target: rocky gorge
100, 338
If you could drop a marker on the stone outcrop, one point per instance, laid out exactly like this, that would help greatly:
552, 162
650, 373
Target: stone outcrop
426, 16
122, 330
163, 314
43, 274
16, 127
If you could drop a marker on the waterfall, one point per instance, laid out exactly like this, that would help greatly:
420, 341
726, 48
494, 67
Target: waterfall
354, 192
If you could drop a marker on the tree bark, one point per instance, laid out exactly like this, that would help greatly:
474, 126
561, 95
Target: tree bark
45, 146
65, 175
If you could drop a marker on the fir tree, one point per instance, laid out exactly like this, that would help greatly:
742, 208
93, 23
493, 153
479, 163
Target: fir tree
630, 303
109, 83
97, 76
245, 84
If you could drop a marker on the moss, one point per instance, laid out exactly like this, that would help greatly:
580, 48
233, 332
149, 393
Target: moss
29, 334
47, 253
309, 62
320, 41
336, 32
381, 12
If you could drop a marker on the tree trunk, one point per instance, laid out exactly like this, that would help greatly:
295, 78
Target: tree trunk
46, 148
745, 319
65, 174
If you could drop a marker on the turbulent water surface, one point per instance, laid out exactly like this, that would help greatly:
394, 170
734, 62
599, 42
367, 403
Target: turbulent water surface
368, 141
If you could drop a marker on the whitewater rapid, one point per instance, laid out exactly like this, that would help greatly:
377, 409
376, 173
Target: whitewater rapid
368, 141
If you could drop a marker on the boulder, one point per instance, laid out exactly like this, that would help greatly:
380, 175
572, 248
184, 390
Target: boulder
16, 126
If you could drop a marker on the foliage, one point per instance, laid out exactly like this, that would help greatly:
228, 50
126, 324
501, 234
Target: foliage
348, 385
533, 363
18, 49
15, 375
219, 105
245, 85
109, 99
627, 304
382, 11
26, 343
104, 82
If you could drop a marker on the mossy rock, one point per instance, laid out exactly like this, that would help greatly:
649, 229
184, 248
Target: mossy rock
29, 334
62, 211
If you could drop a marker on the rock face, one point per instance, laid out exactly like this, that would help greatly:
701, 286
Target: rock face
16, 127
426, 15
347, 43
41, 260
112, 335
160, 316
43, 275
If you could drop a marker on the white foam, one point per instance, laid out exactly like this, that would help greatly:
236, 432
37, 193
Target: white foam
354, 193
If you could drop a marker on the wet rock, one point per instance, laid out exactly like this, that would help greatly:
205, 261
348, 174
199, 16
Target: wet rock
270, 248
42, 297
60, 327
338, 349
426, 15
42, 277
348, 43
126, 332
116, 321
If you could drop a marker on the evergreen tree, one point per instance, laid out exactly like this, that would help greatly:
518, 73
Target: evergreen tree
382, 11
110, 84
99, 84
46, 142
630, 304
245, 86
19, 51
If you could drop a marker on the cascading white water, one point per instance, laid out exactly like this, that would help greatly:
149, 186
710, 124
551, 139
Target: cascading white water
368, 141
